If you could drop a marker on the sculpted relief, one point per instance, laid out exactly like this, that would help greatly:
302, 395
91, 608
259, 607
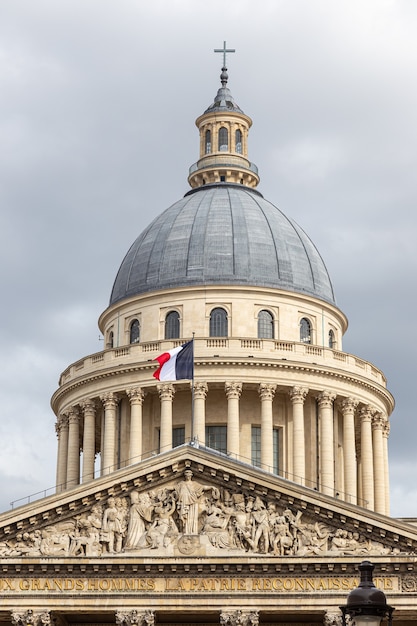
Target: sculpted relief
187, 518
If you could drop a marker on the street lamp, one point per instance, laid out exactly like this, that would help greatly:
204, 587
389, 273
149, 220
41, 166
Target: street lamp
366, 605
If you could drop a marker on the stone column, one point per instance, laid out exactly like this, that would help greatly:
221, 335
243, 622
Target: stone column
61, 428
109, 401
89, 440
136, 396
239, 618
298, 396
367, 457
378, 462
199, 426
233, 392
266, 392
73, 461
325, 401
385, 434
349, 450
135, 618
166, 395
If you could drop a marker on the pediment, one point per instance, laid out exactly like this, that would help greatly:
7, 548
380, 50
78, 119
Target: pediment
195, 503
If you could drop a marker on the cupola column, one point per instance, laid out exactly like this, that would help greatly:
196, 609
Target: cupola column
378, 462
266, 393
61, 428
349, 450
325, 401
199, 426
89, 440
298, 396
73, 461
233, 392
109, 401
136, 396
166, 395
385, 434
367, 465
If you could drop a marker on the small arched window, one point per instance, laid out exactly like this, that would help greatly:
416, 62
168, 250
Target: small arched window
208, 142
265, 325
110, 343
223, 139
172, 325
332, 339
238, 141
305, 331
134, 332
218, 323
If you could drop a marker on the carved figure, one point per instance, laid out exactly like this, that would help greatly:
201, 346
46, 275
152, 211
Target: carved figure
86, 539
260, 525
188, 502
112, 534
140, 510
283, 539
163, 528
242, 523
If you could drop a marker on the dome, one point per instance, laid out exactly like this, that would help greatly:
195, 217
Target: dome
223, 234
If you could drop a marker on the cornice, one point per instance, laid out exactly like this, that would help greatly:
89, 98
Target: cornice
293, 366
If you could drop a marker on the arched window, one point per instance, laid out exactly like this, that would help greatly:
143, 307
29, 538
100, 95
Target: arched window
110, 343
223, 139
172, 325
134, 331
265, 325
305, 331
208, 141
238, 141
218, 323
332, 339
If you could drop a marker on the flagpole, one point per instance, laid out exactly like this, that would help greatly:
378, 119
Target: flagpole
192, 399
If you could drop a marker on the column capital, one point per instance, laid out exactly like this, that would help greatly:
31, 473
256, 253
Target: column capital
326, 398
73, 415
200, 390
349, 405
31, 618
378, 421
233, 390
136, 395
134, 617
367, 413
88, 405
61, 423
332, 618
239, 618
386, 429
298, 394
266, 391
109, 400
166, 391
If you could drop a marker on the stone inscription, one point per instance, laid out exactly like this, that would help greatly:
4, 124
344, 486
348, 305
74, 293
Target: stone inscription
200, 585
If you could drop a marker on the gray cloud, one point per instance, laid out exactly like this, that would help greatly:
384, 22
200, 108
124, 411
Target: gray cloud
97, 127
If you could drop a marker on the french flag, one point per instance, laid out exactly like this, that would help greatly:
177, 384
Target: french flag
176, 364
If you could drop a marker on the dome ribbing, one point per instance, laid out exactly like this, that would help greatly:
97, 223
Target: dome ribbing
223, 235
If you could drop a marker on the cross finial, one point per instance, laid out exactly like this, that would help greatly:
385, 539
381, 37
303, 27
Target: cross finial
224, 50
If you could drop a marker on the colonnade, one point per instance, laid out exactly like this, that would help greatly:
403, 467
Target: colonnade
361, 477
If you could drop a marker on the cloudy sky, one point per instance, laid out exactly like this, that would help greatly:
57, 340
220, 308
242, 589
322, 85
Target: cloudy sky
97, 106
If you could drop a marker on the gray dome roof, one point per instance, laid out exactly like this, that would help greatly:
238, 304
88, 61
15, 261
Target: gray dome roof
222, 234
